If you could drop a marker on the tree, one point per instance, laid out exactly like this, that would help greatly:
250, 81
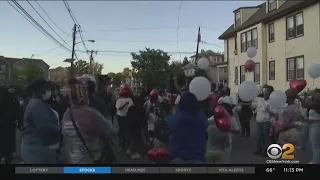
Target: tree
126, 73
175, 67
96, 68
185, 61
111, 75
82, 67
117, 79
29, 73
151, 66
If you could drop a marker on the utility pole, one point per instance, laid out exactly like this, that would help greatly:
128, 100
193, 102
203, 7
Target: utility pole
73, 46
90, 63
91, 68
198, 42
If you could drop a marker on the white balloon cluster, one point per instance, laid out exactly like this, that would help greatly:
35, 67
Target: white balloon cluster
251, 52
278, 99
203, 63
248, 91
314, 71
201, 86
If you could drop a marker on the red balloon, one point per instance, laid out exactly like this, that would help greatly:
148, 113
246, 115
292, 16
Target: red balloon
163, 152
223, 123
249, 65
298, 85
213, 97
219, 112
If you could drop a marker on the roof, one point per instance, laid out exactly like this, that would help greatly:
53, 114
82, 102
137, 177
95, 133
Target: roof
189, 66
261, 16
14, 60
207, 54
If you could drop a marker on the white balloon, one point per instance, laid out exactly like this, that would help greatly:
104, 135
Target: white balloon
314, 71
251, 52
200, 87
203, 63
278, 99
248, 91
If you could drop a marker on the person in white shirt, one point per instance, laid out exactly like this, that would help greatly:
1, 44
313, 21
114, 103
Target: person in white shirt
123, 103
219, 143
263, 118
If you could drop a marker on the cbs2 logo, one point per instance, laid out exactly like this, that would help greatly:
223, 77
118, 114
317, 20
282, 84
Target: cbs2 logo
275, 151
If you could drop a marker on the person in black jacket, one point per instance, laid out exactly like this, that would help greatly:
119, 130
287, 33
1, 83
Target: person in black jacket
9, 114
245, 115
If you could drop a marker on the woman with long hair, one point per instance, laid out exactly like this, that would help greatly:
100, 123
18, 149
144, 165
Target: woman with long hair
41, 128
83, 127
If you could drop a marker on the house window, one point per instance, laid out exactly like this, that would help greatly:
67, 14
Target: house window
295, 68
237, 19
235, 46
236, 75
295, 26
256, 77
272, 5
249, 39
271, 33
242, 74
272, 70
243, 43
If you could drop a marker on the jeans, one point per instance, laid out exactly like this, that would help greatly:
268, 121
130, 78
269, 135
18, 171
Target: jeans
314, 136
304, 136
263, 138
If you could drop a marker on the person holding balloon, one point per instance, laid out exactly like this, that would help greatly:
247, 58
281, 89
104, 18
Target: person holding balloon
221, 125
286, 126
263, 118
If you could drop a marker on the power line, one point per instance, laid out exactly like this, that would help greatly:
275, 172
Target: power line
50, 18
204, 42
74, 19
140, 29
212, 29
31, 20
40, 54
138, 41
180, 7
47, 23
128, 52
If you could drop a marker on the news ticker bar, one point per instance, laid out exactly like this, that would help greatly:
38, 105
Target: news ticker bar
134, 170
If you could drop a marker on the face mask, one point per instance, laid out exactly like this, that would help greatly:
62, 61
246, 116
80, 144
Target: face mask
47, 95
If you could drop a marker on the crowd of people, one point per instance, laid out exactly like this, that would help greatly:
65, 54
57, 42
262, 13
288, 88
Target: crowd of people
80, 128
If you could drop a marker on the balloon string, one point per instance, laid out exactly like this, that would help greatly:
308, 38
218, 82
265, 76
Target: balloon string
313, 82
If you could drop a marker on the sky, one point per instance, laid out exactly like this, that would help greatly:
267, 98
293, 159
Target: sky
117, 26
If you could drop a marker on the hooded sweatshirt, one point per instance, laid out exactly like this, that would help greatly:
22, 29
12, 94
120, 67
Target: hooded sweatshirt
188, 130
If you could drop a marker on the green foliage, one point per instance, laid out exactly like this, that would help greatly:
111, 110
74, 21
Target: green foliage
185, 61
29, 73
151, 66
126, 72
82, 67
117, 79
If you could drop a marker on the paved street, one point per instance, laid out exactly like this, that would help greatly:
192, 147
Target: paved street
242, 152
